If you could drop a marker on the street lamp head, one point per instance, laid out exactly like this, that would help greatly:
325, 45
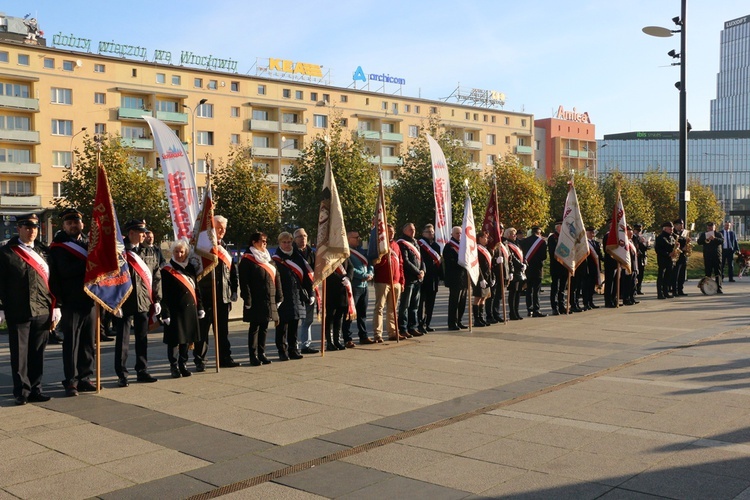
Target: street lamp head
657, 31
203, 101
83, 129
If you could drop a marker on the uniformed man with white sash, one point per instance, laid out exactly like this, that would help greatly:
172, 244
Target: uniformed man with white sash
27, 306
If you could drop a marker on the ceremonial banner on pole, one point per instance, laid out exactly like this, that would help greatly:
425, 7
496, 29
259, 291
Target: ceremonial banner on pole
107, 278
491, 222
378, 246
572, 247
467, 249
617, 244
178, 178
204, 236
333, 245
441, 185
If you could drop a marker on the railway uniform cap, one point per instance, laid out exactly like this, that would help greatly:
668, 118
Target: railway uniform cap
637, 227
667, 224
136, 225
679, 221
28, 220
71, 214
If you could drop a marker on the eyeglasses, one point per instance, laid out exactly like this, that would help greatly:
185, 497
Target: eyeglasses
264, 242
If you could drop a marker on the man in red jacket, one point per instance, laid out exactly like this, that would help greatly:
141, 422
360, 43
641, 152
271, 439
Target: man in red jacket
385, 295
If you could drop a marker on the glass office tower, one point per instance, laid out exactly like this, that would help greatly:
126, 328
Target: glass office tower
731, 108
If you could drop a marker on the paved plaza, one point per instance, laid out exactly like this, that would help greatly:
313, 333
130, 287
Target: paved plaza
647, 401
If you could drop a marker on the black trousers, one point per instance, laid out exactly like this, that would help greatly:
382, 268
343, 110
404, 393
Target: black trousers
27, 342
589, 285
334, 320
533, 285
426, 305
727, 259
664, 279
256, 338
514, 298
610, 282
78, 344
177, 355
557, 291
641, 271
678, 275
122, 342
456, 304
360, 296
222, 321
286, 336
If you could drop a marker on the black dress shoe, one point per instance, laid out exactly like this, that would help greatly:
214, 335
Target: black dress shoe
415, 333
537, 314
339, 346
555, 312
229, 363
184, 371
146, 377
429, 329
491, 320
309, 350
264, 360
528, 314
283, 356
682, 294
295, 355
122, 382
175, 372
22, 400
462, 326
254, 361
38, 397
720, 291
593, 306
454, 328
201, 367
103, 337
421, 330
71, 391
731, 280
54, 338
405, 334
86, 386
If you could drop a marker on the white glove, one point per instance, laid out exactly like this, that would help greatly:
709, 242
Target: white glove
510, 277
166, 321
233, 298
523, 268
201, 314
2, 316
312, 301
56, 315
278, 304
157, 308
345, 281
483, 284
118, 313
500, 259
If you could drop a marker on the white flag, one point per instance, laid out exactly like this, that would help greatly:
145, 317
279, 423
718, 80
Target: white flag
572, 246
467, 249
178, 178
441, 185
333, 245
618, 244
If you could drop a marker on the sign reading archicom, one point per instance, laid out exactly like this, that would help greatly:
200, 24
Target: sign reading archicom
572, 116
359, 75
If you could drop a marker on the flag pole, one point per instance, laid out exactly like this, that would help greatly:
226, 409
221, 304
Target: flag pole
501, 288
323, 321
213, 281
617, 304
567, 295
390, 274
97, 323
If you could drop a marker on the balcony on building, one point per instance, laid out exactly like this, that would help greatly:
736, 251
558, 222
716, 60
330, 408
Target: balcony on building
266, 152
291, 153
391, 161
24, 136
172, 117
369, 135
143, 144
263, 126
16, 168
21, 201
132, 113
19, 103
523, 150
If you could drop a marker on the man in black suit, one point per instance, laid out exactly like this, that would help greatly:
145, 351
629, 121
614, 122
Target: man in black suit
559, 274
535, 252
728, 249
664, 247
641, 246
593, 262
713, 242
455, 280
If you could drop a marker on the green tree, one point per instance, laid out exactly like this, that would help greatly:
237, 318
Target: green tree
590, 199
412, 195
136, 193
245, 198
522, 199
661, 191
703, 206
638, 208
356, 179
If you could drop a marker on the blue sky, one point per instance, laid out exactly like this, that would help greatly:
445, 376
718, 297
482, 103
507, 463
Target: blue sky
589, 54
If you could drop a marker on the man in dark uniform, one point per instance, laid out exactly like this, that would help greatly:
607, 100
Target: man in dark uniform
641, 246
713, 242
559, 274
227, 283
535, 252
680, 267
143, 300
664, 248
67, 268
27, 306
494, 305
413, 267
593, 276
430, 251
455, 280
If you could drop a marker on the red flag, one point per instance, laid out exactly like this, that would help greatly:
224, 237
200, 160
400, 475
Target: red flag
618, 244
107, 278
204, 236
491, 222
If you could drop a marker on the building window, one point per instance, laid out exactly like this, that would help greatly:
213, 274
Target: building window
416, 109
49, 63
394, 108
433, 110
176, 80
15, 155
491, 139
485, 117
290, 118
205, 138
467, 115
100, 98
198, 83
507, 120
261, 90
234, 111
133, 102
537, 145
298, 94
260, 114
57, 190
521, 141
493, 119
200, 166
234, 139
62, 96
344, 122
290, 144
413, 131
14, 123
468, 136
62, 127
476, 117
167, 106
507, 139
100, 128
61, 158
384, 105
23, 59
314, 96
68, 65
213, 84
99, 68
161, 78
320, 121
16, 188
388, 151
388, 128
523, 122
490, 159
234, 86
286, 93
407, 108
260, 141
344, 98
4, 56
133, 132
367, 101
364, 125
206, 110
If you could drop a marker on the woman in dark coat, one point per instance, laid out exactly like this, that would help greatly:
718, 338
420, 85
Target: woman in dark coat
516, 273
338, 294
291, 268
260, 289
181, 308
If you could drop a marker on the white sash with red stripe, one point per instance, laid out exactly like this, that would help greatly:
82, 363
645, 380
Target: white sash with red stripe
311, 276
224, 256
413, 250
136, 262
291, 265
34, 260
73, 248
533, 249
514, 248
485, 253
349, 294
358, 255
454, 245
504, 251
266, 266
431, 251
186, 281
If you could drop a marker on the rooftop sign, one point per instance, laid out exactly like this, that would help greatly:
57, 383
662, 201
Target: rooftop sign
572, 116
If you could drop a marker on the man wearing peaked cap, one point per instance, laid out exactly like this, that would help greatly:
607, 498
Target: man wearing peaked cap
27, 305
67, 268
664, 247
558, 272
679, 272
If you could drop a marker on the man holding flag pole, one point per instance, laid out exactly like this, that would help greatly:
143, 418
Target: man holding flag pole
468, 256
499, 261
572, 248
617, 244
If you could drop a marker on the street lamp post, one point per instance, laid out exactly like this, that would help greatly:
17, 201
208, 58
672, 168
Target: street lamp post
72, 151
192, 130
684, 195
